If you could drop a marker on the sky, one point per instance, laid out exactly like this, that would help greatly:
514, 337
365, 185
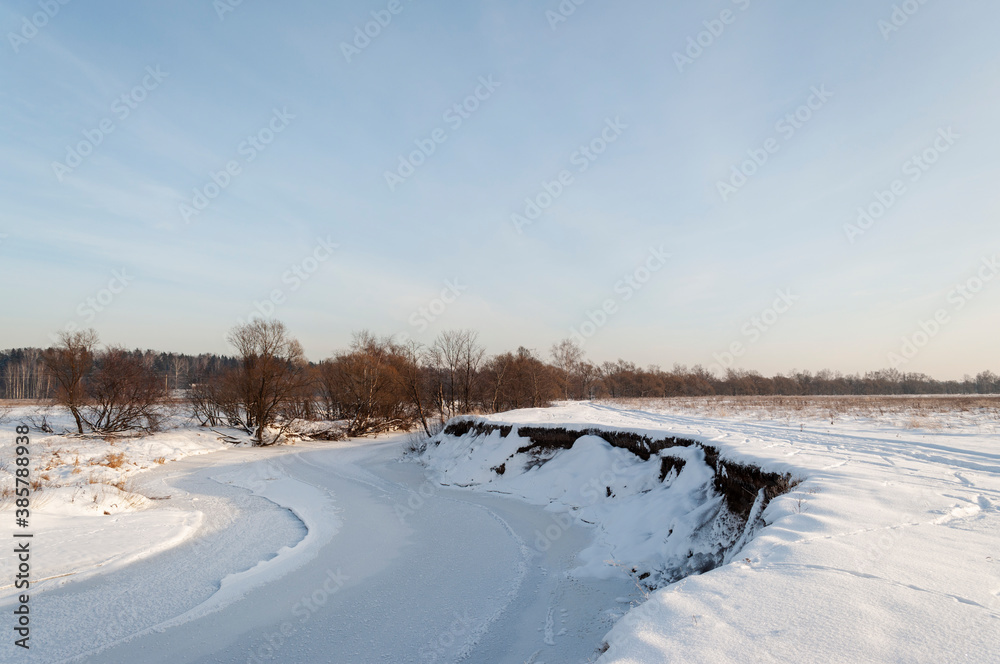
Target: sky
760, 185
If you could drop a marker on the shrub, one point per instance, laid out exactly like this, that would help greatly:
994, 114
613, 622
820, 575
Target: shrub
125, 394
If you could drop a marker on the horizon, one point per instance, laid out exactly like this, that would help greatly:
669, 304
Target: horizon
718, 186
545, 356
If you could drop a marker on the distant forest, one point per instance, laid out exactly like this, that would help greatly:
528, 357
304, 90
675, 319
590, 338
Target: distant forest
563, 374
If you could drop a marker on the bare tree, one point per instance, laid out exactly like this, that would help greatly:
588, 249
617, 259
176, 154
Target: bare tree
25, 377
520, 380
987, 382
364, 386
538, 387
213, 403
125, 393
471, 360
568, 357
69, 363
589, 376
413, 380
497, 370
179, 366
445, 356
271, 373
457, 357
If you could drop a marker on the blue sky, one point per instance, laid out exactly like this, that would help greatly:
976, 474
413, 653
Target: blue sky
222, 76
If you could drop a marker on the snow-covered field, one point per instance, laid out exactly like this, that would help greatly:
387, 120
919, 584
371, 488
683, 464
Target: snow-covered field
886, 550
978, 414
84, 496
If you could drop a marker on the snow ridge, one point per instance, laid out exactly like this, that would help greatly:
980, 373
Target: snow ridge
661, 508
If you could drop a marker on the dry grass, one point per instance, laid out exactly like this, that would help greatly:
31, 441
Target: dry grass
160, 460
912, 412
132, 500
114, 460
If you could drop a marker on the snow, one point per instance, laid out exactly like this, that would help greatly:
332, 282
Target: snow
659, 528
100, 527
436, 579
887, 550
88, 506
89, 544
316, 509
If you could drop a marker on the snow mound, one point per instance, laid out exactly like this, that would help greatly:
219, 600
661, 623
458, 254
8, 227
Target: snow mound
88, 500
662, 508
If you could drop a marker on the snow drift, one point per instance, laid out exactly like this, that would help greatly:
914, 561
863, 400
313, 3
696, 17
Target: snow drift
663, 507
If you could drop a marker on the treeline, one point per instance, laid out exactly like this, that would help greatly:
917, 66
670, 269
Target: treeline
624, 379
375, 385
378, 384
22, 374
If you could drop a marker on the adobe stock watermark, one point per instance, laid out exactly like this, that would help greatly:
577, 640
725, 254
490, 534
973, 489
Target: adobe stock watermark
755, 328
122, 108
415, 501
562, 12
561, 523
303, 610
625, 288
294, 277
455, 116
365, 34
443, 642
88, 309
959, 298
424, 316
786, 128
30, 26
705, 39
913, 170
248, 149
223, 7
901, 15
592, 491
582, 159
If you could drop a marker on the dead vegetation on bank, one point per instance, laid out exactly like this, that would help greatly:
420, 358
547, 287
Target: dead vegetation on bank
909, 412
738, 483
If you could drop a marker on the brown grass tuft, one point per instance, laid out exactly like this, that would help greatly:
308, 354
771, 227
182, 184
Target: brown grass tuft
114, 460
